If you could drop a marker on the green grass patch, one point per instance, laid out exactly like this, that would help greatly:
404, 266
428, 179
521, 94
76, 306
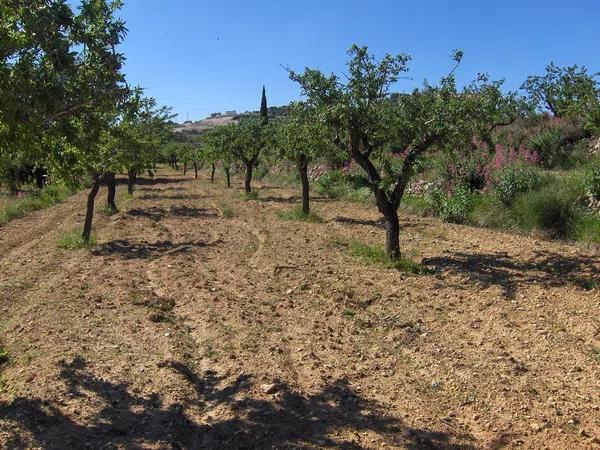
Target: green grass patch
349, 313
226, 211
250, 196
596, 354
376, 255
73, 241
298, 215
3, 355
108, 211
47, 197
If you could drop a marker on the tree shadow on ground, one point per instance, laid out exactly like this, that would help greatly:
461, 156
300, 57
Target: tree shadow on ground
292, 199
171, 197
168, 188
126, 249
499, 269
155, 213
353, 221
248, 418
150, 181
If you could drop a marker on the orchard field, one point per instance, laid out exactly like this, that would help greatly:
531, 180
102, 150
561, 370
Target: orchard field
201, 319
382, 262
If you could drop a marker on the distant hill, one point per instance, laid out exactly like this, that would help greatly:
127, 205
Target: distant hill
220, 120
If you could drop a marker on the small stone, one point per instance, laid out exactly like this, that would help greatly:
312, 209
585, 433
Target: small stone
269, 388
167, 334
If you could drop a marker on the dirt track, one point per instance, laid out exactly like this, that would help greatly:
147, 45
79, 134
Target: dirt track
186, 329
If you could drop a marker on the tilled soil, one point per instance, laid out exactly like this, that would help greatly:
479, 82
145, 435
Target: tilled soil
186, 328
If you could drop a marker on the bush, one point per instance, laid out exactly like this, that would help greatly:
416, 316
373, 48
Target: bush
456, 207
514, 180
555, 142
336, 185
554, 209
45, 198
592, 182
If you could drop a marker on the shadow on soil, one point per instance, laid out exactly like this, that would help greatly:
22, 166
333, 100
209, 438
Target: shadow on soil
499, 269
171, 196
151, 181
126, 249
156, 213
124, 419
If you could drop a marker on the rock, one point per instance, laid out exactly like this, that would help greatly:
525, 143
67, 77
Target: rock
269, 388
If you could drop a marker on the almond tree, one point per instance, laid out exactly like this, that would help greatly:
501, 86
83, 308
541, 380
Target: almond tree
363, 121
300, 139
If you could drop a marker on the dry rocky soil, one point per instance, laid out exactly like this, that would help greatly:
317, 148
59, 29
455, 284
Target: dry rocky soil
201, 320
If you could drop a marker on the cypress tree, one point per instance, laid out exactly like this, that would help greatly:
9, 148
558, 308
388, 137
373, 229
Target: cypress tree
264, 110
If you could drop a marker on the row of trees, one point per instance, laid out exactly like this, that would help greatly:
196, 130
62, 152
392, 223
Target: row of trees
387, 133
67, 111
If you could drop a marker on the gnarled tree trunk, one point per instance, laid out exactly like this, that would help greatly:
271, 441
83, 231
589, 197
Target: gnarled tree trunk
89, 214
212, 172
248, 179
111, 183
303, 169
131, 177
195, 170
184, 167
228, 176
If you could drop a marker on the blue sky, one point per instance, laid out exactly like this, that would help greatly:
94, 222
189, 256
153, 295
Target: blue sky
205, 56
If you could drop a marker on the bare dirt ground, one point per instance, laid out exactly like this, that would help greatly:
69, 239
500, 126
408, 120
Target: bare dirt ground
183, 328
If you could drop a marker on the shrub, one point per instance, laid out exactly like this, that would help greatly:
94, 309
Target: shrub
555, 141
45, 198
592, 182
553, 209
331, 184
514, 180
336, 185
455, 207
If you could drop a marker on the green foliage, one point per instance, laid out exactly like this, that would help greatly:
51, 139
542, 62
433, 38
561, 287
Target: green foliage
73, 241
376, 255
586, 227
46, 198
564, 91
250, 196
514, 180
298, 215
227, 211
592, 181
455, 207
555, 142
336, 185
3, 355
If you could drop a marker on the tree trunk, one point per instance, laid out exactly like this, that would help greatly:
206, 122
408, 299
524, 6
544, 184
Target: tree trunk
228, 176
131, 176
303, 169
248, 179
195, 170
212, 172
111, 183
184, 168
176, 166
39, 174
392, 234
89, 214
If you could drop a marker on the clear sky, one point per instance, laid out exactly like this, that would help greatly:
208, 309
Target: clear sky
203, 56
